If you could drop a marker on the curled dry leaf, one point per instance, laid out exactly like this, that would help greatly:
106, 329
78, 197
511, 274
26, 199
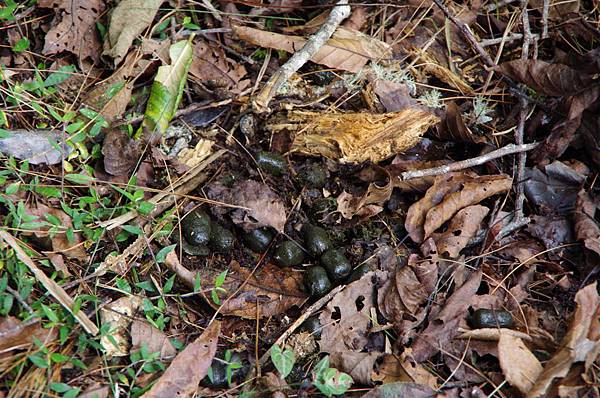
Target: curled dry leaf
261, 207
432, 66
580, 344
417, 212
444, 326
74, 28
127, 21
547, 78
455, 127
118, 315
365, 206
359, 137
586, 227
17, 335
520, 367
471, 192
347, 49
462, 228
182, 377
346, 324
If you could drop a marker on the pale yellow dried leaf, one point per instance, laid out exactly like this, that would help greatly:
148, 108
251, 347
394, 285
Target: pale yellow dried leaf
360, 137
520, 367
194, 156
118, 315
347, 49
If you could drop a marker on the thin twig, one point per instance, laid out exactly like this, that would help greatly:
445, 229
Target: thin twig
507, 39
340, 12
466, 31
467, 163
545, 12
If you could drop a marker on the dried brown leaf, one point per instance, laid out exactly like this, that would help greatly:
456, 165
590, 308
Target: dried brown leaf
346, 323
563, 132
520, 367
127, 21
262, 206
394, 368
275, 290
393, 96
575, 346
586, 227
347, 49
401, 389
213, 68
547, 78
118, 315
74, 28
417, 212
360, 137
17, 335
191, 365
471, 192
366, 205
121, 153
444, 326
144, 334
462, 228
456, 129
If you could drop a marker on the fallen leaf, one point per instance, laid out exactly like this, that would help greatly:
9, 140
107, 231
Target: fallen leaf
575, 346
417, 212
366, 205
182, 377
144, 334
401, 389
553, 187
121, 152
547, 78
59, 240
17, 335
193, 157
402, 368
118, 315
462, 228
442, 72
262, 207
359, 137
586, 227
95, 391
563, 132
347, 49
74, 28
112, 96
127, 21
443, 327
38, 147
167, 89
520, 367
346, 323
394, 96
456, 129
213, 68
492, 334
471, 192
554, 232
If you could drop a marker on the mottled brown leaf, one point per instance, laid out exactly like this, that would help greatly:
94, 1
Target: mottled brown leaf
462, 228
576, 346
346, 322
212, 67
586, 227
401, 389
17, 335
547, 78
366, 205
262, 207
74, 28
442, 186
398, 368
444, 326
144, 334
191, 365
471, 192
121, 153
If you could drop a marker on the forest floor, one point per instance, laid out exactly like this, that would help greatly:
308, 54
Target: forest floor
294, 198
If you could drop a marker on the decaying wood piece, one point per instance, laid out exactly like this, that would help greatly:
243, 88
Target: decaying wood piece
356, 137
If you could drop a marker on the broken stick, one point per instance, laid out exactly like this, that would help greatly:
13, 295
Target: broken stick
340, 11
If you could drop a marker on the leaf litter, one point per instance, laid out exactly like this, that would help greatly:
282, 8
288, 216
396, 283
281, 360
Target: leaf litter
448, 183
